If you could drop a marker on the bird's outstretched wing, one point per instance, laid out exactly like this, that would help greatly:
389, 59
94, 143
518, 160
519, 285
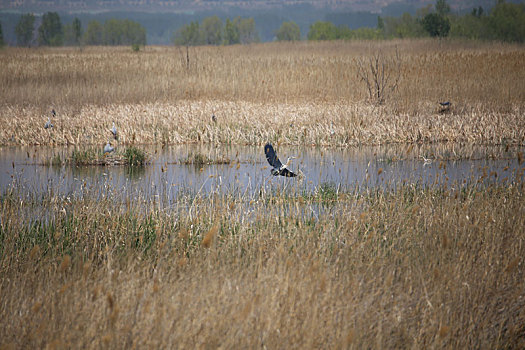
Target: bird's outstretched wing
287, 173
271, 156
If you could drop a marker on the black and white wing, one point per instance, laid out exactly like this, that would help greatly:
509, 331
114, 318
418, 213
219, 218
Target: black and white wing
272, 157
287, 173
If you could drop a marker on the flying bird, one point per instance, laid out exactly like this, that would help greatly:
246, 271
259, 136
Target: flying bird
277, 167
445, 104
108, 148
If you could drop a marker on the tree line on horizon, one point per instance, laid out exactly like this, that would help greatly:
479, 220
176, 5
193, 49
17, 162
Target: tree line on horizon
211, 31
51, 32
505, 22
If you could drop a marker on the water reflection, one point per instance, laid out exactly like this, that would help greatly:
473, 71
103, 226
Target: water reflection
248, 174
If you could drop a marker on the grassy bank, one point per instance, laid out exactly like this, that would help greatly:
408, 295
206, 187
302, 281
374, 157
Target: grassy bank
412, 267
300, 93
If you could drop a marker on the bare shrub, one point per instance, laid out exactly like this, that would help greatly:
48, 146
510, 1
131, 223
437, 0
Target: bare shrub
380, 73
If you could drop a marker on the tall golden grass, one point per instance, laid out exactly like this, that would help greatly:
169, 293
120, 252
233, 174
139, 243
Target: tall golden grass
409, 268
295, 93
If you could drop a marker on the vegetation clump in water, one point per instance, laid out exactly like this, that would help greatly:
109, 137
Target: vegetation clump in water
135, 156
84, 157
199, 159
132, 156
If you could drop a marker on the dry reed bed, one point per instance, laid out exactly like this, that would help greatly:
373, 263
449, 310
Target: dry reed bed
258, 90
242, 122
414, 268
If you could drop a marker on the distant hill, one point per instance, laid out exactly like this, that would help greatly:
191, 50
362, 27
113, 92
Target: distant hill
188, 6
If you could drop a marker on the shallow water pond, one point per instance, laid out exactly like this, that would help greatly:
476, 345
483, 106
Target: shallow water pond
248, 173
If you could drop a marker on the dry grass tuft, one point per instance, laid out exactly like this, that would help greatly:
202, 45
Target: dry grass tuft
182, 262
443, 331
36, 307
35, 252
210, 235
513, 264
65, 264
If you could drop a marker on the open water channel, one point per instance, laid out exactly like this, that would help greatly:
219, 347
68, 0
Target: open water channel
248, 172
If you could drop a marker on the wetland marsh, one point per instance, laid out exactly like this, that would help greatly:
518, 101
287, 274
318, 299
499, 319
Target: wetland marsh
404, 230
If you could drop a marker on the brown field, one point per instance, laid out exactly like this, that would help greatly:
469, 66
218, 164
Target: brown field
302, 93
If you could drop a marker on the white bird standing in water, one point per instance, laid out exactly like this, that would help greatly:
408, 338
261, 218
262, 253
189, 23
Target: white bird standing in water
108, 148
426, 161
